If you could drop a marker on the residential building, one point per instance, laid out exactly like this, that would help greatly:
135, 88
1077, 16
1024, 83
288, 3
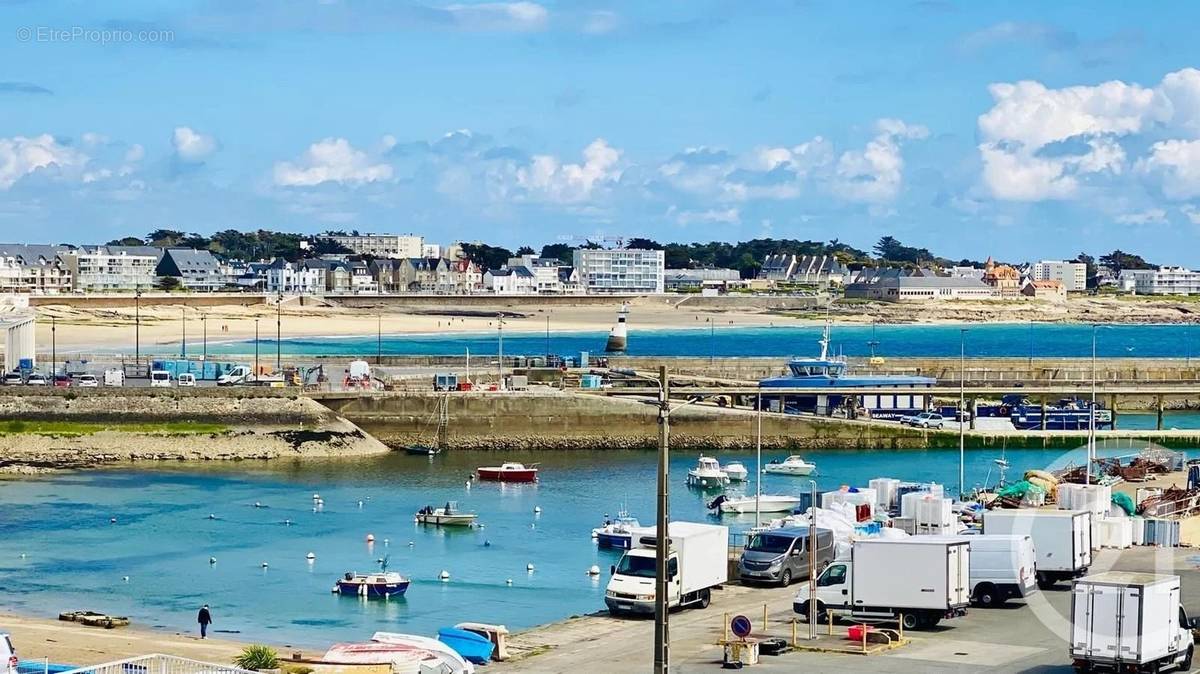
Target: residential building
963, 271
463, 277
294, 278
196, 270
336, 272
1005, 279
544, 270
431, 250
1073, 275
517, 280
1052, 290
568, 281
804, 269
898, 285
362, 281
620, 270
1161, 281
113, 268
34, 269
380, 245
690, 280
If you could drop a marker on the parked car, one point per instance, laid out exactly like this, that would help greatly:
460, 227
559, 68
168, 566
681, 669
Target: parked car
781, 555
11, 378
8, 655
186, 379
924, 420
36, 379
87, 381
62, 381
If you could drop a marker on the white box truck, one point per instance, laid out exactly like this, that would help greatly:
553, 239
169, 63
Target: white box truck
697, 561
1129, 622
917, 581
1061, 538
1002, 567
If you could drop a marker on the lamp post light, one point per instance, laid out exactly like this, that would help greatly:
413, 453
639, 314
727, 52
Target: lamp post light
1091, 446
204, 337
500, 352
379, 340
53, 348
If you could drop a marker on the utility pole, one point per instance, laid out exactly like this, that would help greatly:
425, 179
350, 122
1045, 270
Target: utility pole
962, 411
1091, 447
547, 337
279, 334
379, 341
183, 326
204, 336
53, 349
137, 326
712, 340
500, 351
662, 544
256, 349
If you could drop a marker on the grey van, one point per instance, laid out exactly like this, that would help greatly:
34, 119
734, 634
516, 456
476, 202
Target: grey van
781, 555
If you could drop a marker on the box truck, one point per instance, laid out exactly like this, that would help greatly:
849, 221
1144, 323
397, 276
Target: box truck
697, 561
1002, 567
916, 581
1129, 622
1061, 538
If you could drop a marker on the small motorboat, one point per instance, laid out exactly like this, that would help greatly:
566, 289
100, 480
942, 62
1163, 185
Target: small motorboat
385, 584
617, 533
447, 516
736, 471
474, 648
707, 474
508, 472
421, 450
766, 503
793, 465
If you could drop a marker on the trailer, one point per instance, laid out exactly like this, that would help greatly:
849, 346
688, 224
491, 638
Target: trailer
1129, 622
1061, 538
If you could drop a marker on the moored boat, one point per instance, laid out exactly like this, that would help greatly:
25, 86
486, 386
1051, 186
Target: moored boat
793, 465
707, 474
447, 516
384, 584
736, 471
455, 662
618, 533
766, 503
508, 472
421, 450
473, 647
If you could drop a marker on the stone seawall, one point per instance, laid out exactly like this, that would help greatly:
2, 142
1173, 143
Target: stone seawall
50, 429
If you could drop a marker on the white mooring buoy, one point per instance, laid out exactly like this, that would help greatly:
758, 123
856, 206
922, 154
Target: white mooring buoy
370, 538
594, 571
444, 576
212, 560
529, 568
310, 556
508, 582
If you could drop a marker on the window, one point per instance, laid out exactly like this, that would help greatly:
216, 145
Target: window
834, 575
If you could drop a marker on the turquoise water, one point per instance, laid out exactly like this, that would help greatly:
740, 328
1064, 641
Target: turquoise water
162, 540
988, 340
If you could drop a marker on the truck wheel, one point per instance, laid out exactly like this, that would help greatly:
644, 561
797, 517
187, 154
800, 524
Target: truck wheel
985, 595
1044, 582
705, 598
1186, 664
786, 577
911, 621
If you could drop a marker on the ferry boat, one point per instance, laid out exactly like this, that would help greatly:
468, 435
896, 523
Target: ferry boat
618, 533
1065, 415
508, 472
707, 474
448, 516
385, 584
828, 371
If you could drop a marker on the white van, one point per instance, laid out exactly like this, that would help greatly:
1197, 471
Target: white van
160, 378
114, 377
1003, 566
187, 379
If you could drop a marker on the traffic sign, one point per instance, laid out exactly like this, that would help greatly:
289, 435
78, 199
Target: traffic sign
740, 626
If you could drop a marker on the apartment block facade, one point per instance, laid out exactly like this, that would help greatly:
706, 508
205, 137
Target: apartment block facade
620, 271
1073, 275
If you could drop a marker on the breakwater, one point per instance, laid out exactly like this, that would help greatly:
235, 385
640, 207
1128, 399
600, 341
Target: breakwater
47, 428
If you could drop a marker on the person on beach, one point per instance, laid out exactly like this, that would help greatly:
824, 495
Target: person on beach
205, 619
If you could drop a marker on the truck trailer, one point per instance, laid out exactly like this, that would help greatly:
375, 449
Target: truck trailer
1129, 622
1061, 538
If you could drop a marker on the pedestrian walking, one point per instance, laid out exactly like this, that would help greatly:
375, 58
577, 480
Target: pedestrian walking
205, 619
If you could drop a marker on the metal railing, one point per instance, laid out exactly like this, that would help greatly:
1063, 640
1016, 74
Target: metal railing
158, 664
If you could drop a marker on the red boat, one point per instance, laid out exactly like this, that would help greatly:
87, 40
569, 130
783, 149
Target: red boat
508, 472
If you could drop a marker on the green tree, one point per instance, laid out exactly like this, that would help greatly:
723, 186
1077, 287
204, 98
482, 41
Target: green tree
557, 251
643, 244
168, 283
1119, 259
524, 250
488, 257
126, 241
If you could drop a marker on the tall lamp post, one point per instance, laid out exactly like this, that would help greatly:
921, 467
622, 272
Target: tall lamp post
256, 350
183, 327
962, 411
1091, 447
137, 326
379, 340
204, 337
53, 349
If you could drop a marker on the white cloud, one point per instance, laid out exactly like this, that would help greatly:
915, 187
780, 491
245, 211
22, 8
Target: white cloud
546, 177
92, 139
500, 16
1177, 164
135, 153
728, 216
1192, 212
21, 156
876, 173
192, 146
330, 160
1150, 216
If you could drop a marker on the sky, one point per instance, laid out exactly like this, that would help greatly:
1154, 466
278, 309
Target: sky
1021, 130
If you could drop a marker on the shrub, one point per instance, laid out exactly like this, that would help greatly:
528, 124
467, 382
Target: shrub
257, 657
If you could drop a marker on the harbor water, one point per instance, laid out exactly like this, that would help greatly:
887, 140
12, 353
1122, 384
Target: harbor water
1016, 340
62, 550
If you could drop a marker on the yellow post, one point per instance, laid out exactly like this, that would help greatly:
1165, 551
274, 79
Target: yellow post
864, 637
795, 642
725, 628
901, 626
830, 615
764, 619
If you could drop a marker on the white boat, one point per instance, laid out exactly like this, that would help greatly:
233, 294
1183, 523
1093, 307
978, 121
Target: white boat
455, 663
767, 503
448, 516
793, 465
707, 474
618, 533
736, 471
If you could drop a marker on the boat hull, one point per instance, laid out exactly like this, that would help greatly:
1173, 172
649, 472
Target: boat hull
620, 541
765, 505
447, 520
789, 470
497, 475
372, 590
472, 647
707, 481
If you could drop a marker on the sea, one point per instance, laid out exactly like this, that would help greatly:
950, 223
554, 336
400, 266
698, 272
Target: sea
1018, 340
141, 543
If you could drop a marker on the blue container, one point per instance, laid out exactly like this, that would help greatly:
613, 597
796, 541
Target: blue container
583, 359
25, 364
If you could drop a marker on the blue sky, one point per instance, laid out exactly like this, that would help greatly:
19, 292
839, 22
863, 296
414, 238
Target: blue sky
1020, 130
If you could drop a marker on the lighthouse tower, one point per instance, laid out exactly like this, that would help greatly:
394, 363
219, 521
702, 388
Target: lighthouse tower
618, 337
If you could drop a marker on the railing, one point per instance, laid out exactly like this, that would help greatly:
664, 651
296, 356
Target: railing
157, 664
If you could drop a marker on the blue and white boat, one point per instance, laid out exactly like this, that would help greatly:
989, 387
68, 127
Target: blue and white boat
829, 371
1065, 415
618, 533
471, 646
382, 585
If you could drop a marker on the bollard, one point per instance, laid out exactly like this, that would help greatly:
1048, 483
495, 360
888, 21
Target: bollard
864, 637
830, 616
901, 626
764, 618
795, 643
725, 628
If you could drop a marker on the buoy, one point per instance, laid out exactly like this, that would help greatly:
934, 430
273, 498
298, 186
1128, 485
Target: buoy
316, 497
487, 543
360, 504
537, 509
125, 578
112, 520
468, 484
386, 542
314, 510
444, 576
411, 543
529, 567
212, 516
370, 538
508, 582
257, 504
22, 555
264, 565
212, 560
287, 523
594, 571
310, 556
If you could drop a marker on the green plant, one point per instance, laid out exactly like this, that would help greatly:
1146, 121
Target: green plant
257, 657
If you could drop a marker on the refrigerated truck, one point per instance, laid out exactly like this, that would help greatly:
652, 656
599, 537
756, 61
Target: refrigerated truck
916, 581
697, 562
1002, 567
1061, 538
1129, 622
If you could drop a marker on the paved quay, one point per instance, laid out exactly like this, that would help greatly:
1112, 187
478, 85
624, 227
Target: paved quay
1018, 637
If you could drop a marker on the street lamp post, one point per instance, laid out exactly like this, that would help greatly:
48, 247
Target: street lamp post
279, 333
1091, 447
662, 634
183, 327
962, 395
53, 349
1031, 348
137, 326
712, 340
500, 352
204, 337
256, 350
379, 340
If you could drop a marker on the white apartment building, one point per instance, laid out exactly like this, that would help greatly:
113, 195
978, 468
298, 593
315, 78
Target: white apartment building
380, 245
113, 268
1161, 281
544, 270
294, 279
620, 270
1073, 275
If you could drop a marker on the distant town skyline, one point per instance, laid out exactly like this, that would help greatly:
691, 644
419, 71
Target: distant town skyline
1025, 131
